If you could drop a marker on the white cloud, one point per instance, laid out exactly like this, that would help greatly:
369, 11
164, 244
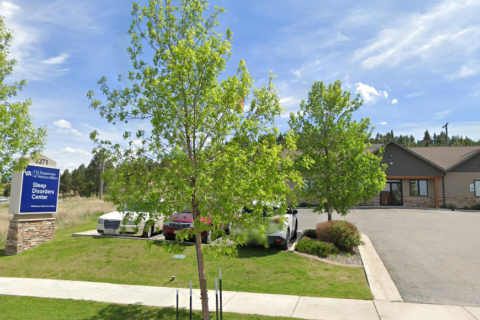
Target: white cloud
32, 24
341, 37
297, 73
476, 92
137, 143
290, 103
70, 166
369, 93
77, 151
442, 114
432, 37
62, 124
8, 9
394, 101
383, 123
465, 71
65, 127
415, 94
57, 60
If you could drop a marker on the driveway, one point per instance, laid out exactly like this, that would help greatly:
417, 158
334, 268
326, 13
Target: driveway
433, 256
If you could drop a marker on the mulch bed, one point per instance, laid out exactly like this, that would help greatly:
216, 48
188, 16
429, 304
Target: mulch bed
348, 259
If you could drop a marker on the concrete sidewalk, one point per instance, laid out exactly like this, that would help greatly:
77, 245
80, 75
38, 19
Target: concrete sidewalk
237, 302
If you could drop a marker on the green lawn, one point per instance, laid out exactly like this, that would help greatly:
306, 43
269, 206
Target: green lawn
21, 308
129, 262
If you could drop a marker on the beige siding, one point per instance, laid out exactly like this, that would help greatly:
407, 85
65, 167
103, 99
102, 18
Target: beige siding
457, 184
405, 187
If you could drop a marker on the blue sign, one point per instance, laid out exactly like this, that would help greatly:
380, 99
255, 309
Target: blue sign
40, 190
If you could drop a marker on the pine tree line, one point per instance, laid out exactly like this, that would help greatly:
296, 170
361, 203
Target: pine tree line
437, 140
84, 181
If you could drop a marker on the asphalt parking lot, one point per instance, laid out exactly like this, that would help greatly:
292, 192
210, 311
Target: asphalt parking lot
432, 255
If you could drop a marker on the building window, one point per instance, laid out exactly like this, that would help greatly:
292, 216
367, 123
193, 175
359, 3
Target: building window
477, 188
418, 188
308, 185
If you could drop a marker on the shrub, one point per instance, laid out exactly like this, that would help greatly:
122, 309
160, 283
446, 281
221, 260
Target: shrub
306, 205
476, 206
311, 234
444, 206
323, 230
318, 248
342, 234
452, 206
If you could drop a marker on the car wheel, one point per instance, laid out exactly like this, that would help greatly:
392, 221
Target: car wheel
228, 230
286, 245
207, 237
294, 235
148, 233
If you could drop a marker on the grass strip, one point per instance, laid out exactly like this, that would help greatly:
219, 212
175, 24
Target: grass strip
123, 261
21, 308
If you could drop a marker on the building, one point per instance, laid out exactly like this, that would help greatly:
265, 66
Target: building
429, 176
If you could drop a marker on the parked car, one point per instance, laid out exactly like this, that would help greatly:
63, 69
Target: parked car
3, 199
184, 220
129, 223
280, 234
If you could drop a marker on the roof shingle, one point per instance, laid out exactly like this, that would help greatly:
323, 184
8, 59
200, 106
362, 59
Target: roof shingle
445, 157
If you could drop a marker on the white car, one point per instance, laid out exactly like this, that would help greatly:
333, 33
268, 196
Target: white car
284, 234
112, 224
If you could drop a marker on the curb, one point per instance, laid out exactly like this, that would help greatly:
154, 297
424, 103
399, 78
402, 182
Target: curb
381, 284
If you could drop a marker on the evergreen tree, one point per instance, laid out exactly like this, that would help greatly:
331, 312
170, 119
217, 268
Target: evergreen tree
66, 182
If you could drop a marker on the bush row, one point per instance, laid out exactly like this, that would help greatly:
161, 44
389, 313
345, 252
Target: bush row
329, 237
315, 247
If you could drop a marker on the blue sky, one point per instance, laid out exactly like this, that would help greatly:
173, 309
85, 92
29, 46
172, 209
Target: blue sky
415, 63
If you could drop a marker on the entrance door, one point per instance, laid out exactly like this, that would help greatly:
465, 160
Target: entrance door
391, 195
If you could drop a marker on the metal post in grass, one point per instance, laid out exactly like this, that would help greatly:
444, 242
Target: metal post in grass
190, 299
177, 304
220, 281
216, 299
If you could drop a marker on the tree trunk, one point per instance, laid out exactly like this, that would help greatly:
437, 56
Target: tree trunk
329, 210
202, 278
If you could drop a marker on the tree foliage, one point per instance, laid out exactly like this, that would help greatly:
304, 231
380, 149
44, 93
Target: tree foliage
19, 138
203, 151
342, 173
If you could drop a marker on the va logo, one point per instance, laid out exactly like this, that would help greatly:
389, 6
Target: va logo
28, 174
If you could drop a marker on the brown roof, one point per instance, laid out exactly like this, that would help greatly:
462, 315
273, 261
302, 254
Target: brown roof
446, 157
374, 147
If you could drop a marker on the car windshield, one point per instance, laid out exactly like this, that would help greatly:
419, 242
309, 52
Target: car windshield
250, 210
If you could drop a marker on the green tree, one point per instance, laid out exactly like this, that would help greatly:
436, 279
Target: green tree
207, 147
66, 182
7, 187
19, 138
342, 172
78, 179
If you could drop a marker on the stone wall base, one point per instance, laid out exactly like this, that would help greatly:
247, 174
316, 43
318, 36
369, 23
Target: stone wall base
426, 202
25, 233
461, 202
421, 202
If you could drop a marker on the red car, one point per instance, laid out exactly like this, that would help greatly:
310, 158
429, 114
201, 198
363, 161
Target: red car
180, 221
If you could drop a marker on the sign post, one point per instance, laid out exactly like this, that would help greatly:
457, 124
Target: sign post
33, 202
